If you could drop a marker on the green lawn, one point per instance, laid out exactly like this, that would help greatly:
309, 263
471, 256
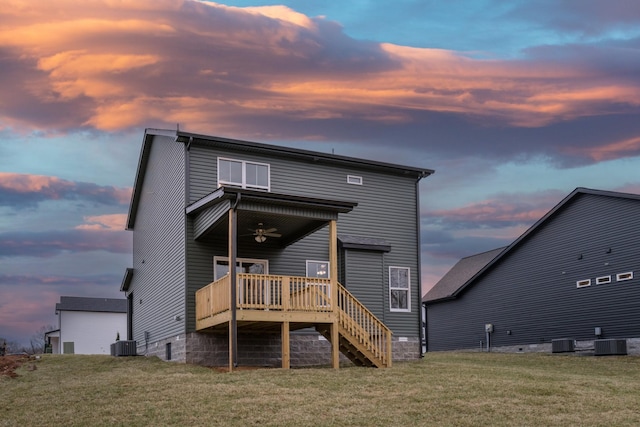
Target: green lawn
443, 389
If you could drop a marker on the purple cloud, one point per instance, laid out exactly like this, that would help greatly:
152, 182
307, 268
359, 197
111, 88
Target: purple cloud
51, 243
275, 74
23, 190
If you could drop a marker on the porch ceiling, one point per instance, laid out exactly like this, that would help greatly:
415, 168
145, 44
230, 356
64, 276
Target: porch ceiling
294, 217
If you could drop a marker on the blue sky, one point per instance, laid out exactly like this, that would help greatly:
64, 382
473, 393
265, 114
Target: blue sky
514, 104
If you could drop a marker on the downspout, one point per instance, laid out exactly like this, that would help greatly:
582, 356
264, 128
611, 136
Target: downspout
59, 331
187, 199
233, 279
420, 321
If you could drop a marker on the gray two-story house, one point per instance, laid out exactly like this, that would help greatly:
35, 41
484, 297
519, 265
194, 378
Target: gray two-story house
255, 254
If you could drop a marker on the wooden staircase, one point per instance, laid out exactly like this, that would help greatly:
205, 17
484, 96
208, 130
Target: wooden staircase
363, 339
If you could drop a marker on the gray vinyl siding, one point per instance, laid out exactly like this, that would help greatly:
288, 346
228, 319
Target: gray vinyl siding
377, 215
532, 290
365, 279
159, 245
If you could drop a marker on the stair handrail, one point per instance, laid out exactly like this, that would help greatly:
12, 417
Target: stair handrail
371, 331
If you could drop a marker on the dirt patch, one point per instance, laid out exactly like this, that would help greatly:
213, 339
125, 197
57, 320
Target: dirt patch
9, 364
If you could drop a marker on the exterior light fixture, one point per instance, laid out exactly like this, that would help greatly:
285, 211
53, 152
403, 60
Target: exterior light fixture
260, 238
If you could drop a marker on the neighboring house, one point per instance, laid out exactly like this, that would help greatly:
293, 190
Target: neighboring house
52, 341
314, 249
88, 325
575, 274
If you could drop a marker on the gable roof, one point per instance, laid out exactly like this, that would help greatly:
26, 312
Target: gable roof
467, 270
459, 274
254, 147
106, 305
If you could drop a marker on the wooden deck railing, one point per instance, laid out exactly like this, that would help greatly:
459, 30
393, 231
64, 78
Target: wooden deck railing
364, 326
265, 292
213, 299
290, 293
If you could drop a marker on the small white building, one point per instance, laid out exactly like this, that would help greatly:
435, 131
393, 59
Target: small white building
89, 325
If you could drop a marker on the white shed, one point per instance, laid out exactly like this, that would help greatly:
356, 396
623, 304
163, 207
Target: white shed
90, 325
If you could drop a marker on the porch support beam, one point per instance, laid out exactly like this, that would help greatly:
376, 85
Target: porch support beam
333, 263
286, 349
333, 276
233, 324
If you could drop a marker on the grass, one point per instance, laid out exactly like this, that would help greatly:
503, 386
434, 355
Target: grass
443, 389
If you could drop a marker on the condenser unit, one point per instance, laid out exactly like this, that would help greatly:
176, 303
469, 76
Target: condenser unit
610, 347
562, 345
124, 348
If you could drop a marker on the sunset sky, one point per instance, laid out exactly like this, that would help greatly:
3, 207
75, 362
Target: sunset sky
513, 103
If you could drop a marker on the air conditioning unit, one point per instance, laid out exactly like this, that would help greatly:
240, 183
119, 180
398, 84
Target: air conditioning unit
124, 348
610, 347
563, 345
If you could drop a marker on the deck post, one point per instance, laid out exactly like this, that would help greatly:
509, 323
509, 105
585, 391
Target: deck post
333, 263
233, 282
286, 350
389, 349
335, 346
333, 277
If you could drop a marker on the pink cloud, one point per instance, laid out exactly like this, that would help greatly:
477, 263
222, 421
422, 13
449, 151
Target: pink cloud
608, 151
112, 222
19, 190
21, 315
22, 183
51, 243
511, 212
106, 64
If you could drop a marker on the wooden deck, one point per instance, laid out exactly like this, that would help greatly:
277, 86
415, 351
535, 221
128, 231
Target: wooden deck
285, 303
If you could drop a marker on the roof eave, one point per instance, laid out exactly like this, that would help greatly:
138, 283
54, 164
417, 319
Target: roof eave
417, 173
126, 280
438, 300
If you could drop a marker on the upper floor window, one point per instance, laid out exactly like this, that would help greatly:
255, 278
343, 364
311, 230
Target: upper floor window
244, 174
399, 289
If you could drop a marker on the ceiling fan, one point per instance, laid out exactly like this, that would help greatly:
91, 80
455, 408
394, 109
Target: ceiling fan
261, 233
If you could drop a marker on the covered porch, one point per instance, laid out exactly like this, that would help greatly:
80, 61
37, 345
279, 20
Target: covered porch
281, 303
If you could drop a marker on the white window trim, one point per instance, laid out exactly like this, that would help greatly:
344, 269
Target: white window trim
306, 271
401, 310
354, 180
325, 288
583, 283
603, 280
244, 184
620, 276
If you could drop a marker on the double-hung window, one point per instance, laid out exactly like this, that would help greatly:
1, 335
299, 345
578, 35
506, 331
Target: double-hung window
244, 174
399, 289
